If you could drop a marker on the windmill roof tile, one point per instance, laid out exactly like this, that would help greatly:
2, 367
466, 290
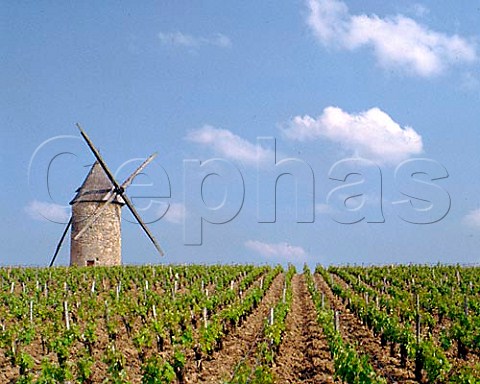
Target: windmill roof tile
96, 187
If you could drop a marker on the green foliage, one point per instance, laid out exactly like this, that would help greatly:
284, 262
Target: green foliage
84, 369
272, 337
466, 375
157, 371
442, 292
445, 340
383, 298
115, 361
262, 375
349, 366
434, 361
242, 374
25, 363
53, 373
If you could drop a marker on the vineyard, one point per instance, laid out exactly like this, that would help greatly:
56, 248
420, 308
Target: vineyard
240, 324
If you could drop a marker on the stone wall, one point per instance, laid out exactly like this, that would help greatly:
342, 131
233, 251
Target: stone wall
101, 243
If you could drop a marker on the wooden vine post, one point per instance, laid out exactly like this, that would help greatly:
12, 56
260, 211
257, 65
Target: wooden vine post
418, 319
67, 318
205, 318
337, 321
31, 311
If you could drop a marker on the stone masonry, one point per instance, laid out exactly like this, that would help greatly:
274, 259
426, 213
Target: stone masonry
101, 243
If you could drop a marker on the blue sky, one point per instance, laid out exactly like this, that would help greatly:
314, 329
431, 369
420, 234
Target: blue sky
382, 85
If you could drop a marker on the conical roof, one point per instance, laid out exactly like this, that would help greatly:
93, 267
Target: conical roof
96, 187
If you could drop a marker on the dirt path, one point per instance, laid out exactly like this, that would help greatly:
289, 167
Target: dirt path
354, 332
238, 344
303, 356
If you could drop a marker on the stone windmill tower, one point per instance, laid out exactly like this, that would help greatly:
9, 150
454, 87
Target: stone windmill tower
100, 243
96, 216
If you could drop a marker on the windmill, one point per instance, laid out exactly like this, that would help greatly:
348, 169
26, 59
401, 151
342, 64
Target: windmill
96, 215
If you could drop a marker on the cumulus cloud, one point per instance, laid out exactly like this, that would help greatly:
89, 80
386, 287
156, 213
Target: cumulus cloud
396, 41
419, 10
472, 218
372, 134
42, 211
190, 41
225, 143
323, 209
277, 251
176, 213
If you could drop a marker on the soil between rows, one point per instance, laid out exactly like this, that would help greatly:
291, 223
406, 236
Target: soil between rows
304, 356
472, 358
354, 332
240, 343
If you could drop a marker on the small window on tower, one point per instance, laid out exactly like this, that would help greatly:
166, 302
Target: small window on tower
90, 263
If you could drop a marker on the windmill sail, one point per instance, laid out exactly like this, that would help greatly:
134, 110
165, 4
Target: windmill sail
96, 215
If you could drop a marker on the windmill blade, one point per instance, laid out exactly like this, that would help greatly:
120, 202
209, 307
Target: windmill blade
119, 189
142, 224
99, 158
59, 245
129, 180
112, 195
96, 215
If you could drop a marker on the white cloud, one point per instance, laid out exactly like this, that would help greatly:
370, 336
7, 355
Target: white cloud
472, 218
39, 210
419, 10
323, 209
282, 251
231, 146
176, 213
372, 134
397, 41
190, 41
